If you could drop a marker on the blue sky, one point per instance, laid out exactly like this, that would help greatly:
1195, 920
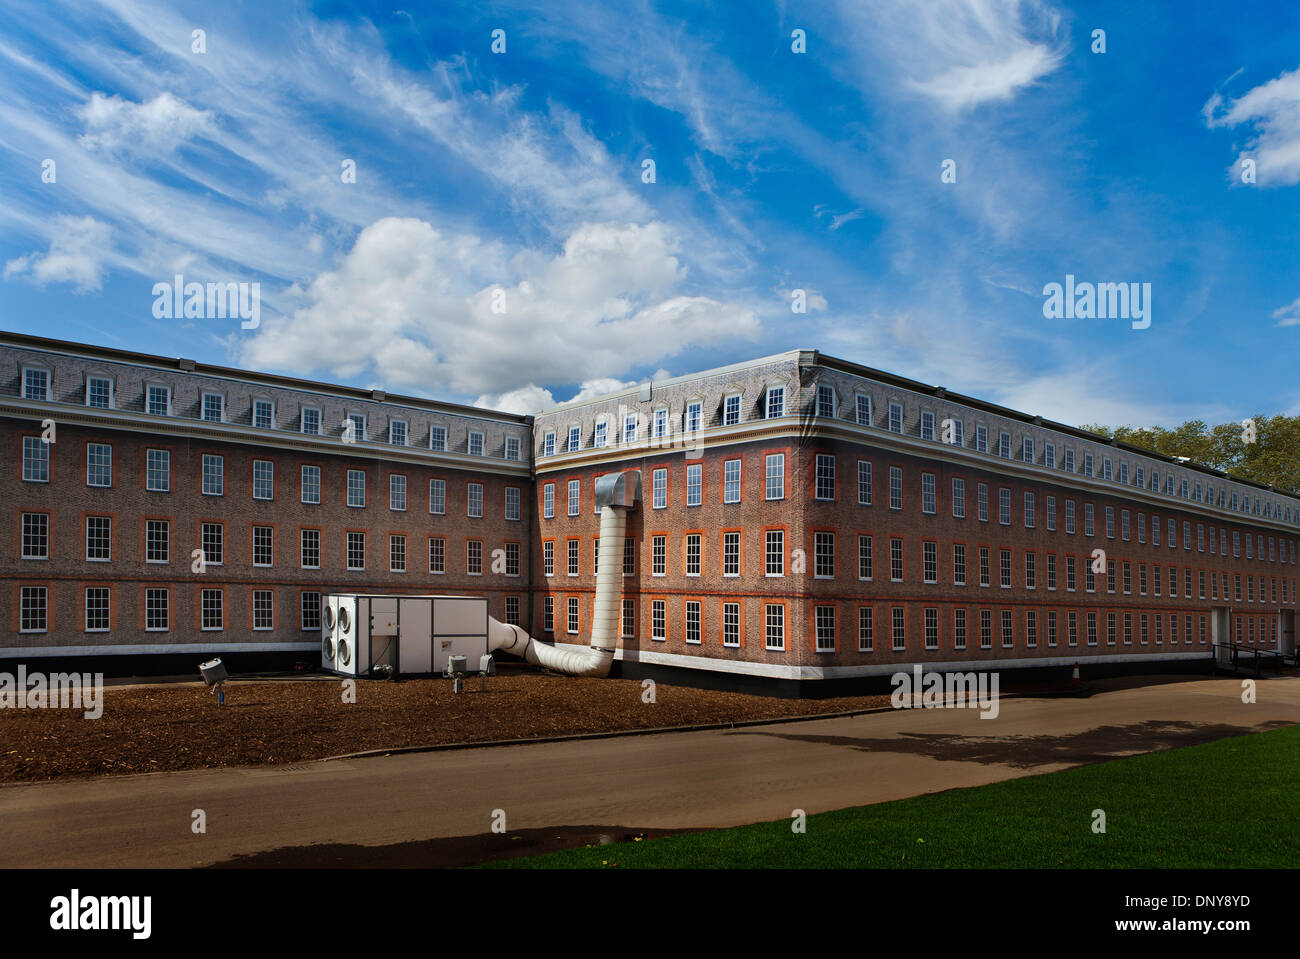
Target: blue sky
519, 176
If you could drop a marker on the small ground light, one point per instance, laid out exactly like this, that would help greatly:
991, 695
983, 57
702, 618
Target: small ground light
456, 670
487, 666
214, 674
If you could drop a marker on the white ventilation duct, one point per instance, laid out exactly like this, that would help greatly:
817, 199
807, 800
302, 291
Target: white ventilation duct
615, 494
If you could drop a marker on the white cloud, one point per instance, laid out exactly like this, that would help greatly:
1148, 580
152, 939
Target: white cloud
1288, 315
161, 124
962, 53
78, 248
419, 308
526, 399
1273, 109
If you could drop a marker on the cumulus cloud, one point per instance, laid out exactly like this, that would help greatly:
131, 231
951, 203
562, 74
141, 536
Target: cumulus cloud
76, 254
161, 124
1273, 110
1288, 315
431, 311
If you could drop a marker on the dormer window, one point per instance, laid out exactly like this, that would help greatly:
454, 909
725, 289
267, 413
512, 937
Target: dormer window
158, 400
927, 425
311, 421
99, 392
36, 383
397, 432
895, 417
660, 423
438, 439
475, 443
214, 407
694, 418
600, 438
775, 402
862, 409
575, 439
731, 410
825, 401
264, 414
512, 448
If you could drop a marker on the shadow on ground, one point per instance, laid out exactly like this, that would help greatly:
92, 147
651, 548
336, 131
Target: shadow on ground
1097, 745
441, 853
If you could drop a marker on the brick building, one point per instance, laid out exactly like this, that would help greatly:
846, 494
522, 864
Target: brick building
285, 488
803, 518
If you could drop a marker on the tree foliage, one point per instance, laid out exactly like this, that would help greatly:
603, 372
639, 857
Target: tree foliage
1273, 457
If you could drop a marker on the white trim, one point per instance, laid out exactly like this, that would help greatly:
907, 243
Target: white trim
774, 671
135, 649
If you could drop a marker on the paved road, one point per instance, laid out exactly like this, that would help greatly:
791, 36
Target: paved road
669, 781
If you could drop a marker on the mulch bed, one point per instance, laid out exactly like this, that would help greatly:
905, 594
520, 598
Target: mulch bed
180, 726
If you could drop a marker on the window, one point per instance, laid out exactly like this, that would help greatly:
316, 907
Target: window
33, 614
693, 622
512, 453
959, 629
898, 628
36, 535
548, 558
1004, 444
36, 460
156, 618
930, 561
864, 482
824, 618
862, 409
1004, 506
512, 502
659, 424
158, 471
474, 500
825, 401
985, 573
310, 611
263, 479
1068, 463
99, 464
825, 477
774, 553
397, 432
659, 495
775, 402
775, 476
731, 410
959, 564
629, 556
311, 426
629, 618
158, 401
730, 624
927, 493
263, 414
629, 427
575, 439
473, 557
895, 417
357, 430
263, 546
1031, 570
157, 541
396, 553
1004, 568
823, 555
895, 487
959, 498
356, 550
99, 538
694, 484
775, 626
309, 549
693, 550
731, 481
573, 556
1069, 516
1008, 630
263, 610
730, 554
99, 393
693, 421
1110, 524
981, 439
659, 556
659, 619
864, 557
986, 629
1087, 471
475, 443
437, 555
1029, 511
214, 407
573, 623
357, 488
214, 482
982, 501
211, 609
438, 439
895, 560
311, 485
1090, 526
548, 614
36, 383
866, 629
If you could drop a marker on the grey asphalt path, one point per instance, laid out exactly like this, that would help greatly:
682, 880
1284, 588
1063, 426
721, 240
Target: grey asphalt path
713, 778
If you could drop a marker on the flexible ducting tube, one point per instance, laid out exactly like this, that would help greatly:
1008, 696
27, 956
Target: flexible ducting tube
622, 491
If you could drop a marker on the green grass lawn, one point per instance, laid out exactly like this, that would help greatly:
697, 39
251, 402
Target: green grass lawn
1235, 802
